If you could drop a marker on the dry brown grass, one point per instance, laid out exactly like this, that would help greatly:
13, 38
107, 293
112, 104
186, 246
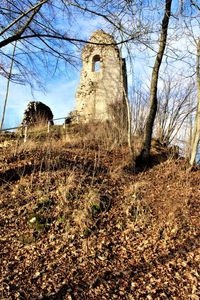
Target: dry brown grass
72, 212
89, 208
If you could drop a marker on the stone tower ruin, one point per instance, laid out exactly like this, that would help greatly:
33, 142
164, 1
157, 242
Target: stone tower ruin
103, 83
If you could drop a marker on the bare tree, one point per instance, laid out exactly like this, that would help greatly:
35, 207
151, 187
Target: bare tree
46, 35
41, 45
174, 106
139, 107
192, 26
196, 130
8, 85
145, 152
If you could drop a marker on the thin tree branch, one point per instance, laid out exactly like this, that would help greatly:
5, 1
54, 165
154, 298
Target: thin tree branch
38, 5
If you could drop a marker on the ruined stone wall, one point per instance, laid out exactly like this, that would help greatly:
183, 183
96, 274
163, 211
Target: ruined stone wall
103, 79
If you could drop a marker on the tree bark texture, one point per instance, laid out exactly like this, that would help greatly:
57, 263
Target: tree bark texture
196, 130
145, 152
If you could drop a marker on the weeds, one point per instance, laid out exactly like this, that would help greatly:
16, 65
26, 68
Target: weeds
39, 222
76, 217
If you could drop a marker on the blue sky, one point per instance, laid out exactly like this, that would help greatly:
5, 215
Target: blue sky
60, 90
59, 93
59, 96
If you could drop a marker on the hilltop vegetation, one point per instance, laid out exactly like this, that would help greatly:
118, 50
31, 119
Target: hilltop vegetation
77, 222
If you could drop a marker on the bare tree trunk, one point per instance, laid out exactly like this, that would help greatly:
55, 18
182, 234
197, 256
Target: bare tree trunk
8, 86
129, 139
196, 131
145, 152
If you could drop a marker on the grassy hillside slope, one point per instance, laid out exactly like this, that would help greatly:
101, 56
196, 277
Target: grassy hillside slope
78, 223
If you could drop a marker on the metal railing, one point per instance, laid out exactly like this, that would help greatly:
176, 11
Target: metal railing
25, 127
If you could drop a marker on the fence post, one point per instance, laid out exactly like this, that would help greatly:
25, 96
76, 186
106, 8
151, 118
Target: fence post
25, 133
48, 128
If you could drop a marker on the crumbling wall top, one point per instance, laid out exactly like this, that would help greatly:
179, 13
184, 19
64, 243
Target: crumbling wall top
102, 41
100, 36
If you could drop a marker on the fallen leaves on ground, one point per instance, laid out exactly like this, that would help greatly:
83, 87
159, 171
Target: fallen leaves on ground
77, 224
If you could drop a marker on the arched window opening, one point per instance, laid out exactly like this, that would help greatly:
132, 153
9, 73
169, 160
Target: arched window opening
96, 63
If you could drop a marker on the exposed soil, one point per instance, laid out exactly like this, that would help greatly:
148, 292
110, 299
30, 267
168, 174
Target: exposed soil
80, 224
